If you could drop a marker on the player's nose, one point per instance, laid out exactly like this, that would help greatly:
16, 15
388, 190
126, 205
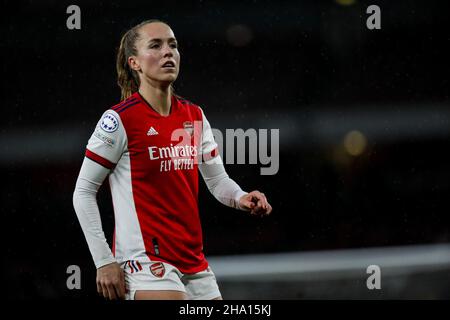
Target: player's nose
167, 51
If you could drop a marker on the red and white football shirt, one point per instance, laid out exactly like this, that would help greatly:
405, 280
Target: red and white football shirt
154, 179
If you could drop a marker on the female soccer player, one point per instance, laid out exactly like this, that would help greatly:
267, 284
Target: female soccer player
151, 145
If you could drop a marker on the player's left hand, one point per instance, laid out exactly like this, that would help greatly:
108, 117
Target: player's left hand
255, 202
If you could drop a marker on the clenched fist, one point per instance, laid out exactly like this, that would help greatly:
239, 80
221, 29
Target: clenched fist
255, 202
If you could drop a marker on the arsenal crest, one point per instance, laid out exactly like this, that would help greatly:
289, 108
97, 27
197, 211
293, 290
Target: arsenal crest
158, 269
189, 127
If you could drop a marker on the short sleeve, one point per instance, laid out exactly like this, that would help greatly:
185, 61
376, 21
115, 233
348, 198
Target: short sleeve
109, 140
209, 148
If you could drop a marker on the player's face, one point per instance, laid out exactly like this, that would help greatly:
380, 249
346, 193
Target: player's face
158, 58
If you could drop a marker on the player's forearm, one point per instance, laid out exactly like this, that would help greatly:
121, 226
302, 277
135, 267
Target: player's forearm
228, 192
224, 189
86, 208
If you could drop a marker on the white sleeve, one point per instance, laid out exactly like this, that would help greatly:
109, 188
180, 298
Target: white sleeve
89, 181
224, 189
108, 141
104, 149
208, 147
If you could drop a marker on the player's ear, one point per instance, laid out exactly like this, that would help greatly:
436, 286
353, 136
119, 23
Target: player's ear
134, 63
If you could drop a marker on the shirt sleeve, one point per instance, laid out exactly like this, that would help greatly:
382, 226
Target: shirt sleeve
104, 149
209, 148
222, 187
89, 180
108, 141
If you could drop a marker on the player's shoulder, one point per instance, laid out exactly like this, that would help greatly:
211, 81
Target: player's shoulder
121, 111
126, 105
187, 103
190, 107
116, 114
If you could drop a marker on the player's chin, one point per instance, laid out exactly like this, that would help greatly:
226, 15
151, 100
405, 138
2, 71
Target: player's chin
169, 74
168, 78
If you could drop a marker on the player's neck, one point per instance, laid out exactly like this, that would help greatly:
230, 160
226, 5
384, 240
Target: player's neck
159, 98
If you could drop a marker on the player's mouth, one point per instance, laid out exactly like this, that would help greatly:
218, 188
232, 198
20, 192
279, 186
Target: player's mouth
168, 65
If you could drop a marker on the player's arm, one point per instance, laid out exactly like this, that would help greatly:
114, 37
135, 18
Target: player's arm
103, 150
228, 192
225, 189
89, 180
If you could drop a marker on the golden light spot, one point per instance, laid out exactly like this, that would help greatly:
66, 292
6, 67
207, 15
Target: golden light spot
355, 143
345, 2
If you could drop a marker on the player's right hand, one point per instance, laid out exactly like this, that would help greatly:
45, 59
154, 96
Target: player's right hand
111, 281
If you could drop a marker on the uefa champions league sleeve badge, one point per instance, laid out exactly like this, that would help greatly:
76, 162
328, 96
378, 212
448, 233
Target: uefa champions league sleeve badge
109, 123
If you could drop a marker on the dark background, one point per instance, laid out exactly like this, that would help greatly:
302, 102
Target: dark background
309, 68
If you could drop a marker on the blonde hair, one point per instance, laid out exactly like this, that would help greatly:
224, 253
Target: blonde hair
127, 78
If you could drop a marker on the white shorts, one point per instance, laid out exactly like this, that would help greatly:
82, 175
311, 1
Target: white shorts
156, 275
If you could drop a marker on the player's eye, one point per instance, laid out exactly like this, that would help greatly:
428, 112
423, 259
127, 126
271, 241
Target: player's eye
154, 46
174, 45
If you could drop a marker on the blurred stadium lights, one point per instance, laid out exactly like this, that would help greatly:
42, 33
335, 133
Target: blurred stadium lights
345, 2
355, 143
324, 127
239, 35
297, 15
407, 272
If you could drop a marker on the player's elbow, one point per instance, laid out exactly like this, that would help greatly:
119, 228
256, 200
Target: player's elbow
76, 197
82, 194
